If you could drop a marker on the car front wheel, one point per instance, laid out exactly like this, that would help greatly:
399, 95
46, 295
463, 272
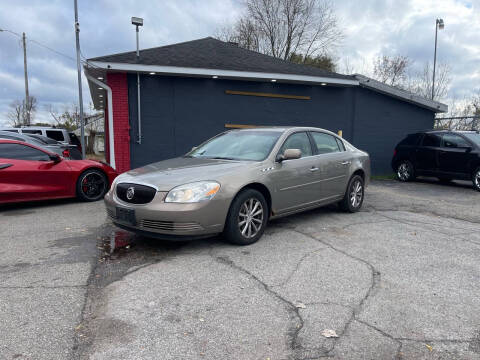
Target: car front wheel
476, 179
247, 218
353, 199
92, 185
405, 171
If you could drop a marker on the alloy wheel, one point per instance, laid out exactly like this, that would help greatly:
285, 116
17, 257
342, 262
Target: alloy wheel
93, 185
404, 171
476, 179
356, 193
250, 218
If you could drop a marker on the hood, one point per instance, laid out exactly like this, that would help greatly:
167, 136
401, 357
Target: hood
167, 174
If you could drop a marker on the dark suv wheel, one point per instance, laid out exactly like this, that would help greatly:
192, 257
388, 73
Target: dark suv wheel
476, 179
405, 171
247, 218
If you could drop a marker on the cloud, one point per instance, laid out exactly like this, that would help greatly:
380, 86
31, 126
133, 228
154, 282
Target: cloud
371, 27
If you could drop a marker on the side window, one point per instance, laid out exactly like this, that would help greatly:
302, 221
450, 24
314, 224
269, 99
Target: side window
341, 145
431, 140
55, 135
454, 141
21, 152
298, 141
29, 131
325, 143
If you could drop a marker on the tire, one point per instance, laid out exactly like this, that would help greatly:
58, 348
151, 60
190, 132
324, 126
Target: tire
354, 195
476, 179
405, 171
240, 224
92, 185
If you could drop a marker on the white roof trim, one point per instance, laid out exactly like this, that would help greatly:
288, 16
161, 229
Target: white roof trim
232, 74
401, 94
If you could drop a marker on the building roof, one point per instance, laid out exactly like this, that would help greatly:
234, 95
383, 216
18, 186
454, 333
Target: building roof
209, 57
404, 95
210, 53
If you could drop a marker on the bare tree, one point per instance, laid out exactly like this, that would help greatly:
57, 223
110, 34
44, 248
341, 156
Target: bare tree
391, 70
19, 110
68, 119
421, 83
284, 27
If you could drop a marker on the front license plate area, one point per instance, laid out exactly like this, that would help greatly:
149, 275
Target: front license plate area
127, 216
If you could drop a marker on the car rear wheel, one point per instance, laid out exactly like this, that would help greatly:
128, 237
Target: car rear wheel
92, 185
247, 218
353, 199
476, 180
405, 171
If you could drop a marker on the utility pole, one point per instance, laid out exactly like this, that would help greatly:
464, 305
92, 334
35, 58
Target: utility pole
439, 24
79, 71
26, 119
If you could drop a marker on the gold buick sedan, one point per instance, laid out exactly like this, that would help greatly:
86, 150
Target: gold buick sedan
235, 182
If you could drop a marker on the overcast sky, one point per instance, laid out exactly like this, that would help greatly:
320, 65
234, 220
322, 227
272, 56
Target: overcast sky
371, 27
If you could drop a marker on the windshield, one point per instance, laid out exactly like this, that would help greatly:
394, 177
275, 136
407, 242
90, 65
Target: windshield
475, 137
238, 145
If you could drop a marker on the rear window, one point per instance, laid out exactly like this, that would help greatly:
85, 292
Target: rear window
55, 135
431, 140
74, 139
411, 139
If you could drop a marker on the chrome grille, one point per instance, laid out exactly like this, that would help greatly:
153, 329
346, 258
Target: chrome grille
170, 225
111, 213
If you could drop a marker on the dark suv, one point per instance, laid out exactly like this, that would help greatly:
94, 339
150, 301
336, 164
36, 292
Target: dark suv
446, 155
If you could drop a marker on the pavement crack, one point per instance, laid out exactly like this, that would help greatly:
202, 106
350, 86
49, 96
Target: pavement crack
293, 272
292, 309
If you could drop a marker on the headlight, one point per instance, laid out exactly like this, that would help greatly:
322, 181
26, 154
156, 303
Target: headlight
193, 192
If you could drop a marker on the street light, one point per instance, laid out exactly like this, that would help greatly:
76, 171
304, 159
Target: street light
439, 24
138, 22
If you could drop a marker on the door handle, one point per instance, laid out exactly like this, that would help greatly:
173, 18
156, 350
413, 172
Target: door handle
4, 166
313, 169
346, 163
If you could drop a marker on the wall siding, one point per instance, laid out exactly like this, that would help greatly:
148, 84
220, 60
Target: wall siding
178, 113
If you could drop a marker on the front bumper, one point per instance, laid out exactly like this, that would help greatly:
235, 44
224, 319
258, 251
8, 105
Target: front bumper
170, 221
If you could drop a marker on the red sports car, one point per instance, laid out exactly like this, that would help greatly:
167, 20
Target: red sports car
29, 173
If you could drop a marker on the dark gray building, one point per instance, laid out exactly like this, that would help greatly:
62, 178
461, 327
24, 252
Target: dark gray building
191, 91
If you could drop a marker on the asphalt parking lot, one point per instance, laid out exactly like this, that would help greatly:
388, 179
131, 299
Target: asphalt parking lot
398, 280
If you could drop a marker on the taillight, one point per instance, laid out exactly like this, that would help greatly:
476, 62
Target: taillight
395, 152
66, 153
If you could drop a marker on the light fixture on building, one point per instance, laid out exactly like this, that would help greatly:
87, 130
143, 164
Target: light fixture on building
323, 84
214, 77
152, 73
274, 80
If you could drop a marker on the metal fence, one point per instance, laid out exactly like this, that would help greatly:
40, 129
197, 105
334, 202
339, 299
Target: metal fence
458, 123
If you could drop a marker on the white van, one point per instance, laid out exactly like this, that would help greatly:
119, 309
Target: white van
61, 135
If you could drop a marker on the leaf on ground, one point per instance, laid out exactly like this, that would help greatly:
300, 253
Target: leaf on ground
329, 333
430, 348
300, 305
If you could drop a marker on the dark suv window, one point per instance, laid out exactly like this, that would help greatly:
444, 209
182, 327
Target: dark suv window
454, 141
298, 141
55, 135
21, 152
431, 140
29, 131
411, 140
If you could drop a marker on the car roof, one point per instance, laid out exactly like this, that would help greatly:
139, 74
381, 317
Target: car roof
284, 129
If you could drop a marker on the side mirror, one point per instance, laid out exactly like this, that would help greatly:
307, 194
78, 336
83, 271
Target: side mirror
290, 154
55, 158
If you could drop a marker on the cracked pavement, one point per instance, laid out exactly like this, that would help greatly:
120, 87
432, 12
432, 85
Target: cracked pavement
398, 280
